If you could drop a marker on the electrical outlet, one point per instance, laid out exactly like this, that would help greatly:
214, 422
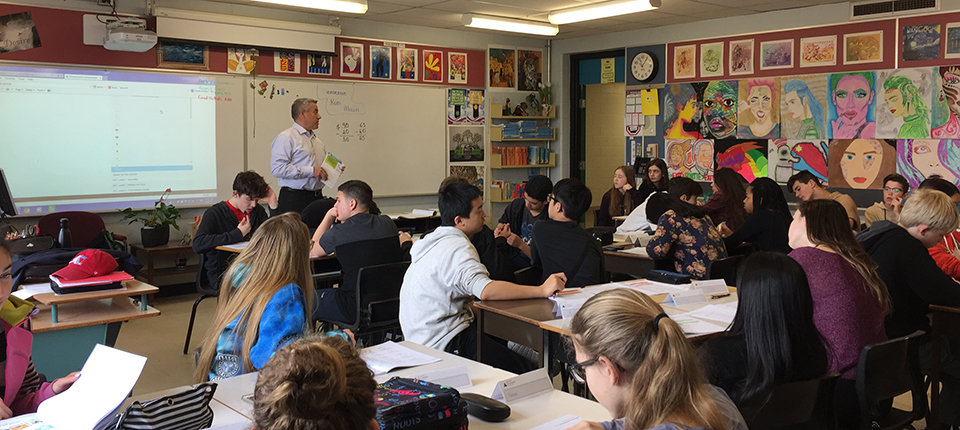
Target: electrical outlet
105, 3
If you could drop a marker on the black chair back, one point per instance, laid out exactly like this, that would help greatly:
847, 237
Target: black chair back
356, 255
378, 296
886, 370
726, 269
802, 404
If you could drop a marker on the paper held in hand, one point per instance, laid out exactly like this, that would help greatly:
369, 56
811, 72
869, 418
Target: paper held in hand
334, 167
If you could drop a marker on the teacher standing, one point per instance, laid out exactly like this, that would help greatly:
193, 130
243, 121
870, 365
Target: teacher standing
295, 157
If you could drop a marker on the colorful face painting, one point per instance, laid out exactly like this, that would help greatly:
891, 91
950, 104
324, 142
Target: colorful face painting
759, 109
801, 107
861, 163
902, 109
918, 159
679, 157
719, 110
788, 157
748, 158
944, 107
850, 104
681, 112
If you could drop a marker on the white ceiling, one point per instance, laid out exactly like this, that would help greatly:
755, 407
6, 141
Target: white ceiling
446, 13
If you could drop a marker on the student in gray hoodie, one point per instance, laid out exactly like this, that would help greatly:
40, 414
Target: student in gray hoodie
446, 274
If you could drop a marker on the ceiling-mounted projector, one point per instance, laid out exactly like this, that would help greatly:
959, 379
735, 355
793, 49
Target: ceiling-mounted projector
129, 35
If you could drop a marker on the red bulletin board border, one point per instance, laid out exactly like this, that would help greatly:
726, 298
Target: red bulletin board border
942, 19
890, 51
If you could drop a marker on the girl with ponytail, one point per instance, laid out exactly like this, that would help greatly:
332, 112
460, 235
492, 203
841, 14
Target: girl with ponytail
642, 369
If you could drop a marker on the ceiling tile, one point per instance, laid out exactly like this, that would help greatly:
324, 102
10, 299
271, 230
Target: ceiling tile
467, 6
540, 5
648, 16
725, 13
377, 7
683, 7
791, 4
424, 22
598, 23
736, 3
412, 3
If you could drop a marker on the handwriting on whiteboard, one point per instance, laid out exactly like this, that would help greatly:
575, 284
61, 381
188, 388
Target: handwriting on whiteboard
347, 132
340, 102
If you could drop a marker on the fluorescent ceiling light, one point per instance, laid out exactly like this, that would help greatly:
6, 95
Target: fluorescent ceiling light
601, 10
358, 6
509, 24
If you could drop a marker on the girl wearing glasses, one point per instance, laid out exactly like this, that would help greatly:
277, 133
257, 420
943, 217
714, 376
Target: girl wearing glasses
652, 382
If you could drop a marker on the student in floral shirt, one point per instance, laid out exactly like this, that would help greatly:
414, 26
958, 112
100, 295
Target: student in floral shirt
684, 231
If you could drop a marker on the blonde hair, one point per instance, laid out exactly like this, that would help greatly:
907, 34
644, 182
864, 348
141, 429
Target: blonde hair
666, 380
315, 384
278, 254
931, 208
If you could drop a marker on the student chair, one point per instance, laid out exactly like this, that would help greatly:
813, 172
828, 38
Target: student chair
726, 269
85, 228
797, 405
313, 214
206, 291
946, 326
378, 302
886, 370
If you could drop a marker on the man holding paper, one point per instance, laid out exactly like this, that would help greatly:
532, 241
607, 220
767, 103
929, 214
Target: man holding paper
296, 157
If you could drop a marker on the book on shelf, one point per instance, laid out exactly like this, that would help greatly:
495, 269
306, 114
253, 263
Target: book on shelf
522, 155
508, 190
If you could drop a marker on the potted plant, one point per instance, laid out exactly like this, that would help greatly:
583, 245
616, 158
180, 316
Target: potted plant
156, 222
540, 100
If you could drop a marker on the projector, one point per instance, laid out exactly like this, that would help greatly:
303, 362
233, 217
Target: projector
129, 35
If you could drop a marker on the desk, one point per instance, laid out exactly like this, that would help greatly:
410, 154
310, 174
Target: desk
326, 269
171, 248
633, 265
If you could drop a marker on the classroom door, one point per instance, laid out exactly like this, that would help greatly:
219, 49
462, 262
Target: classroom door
604, 142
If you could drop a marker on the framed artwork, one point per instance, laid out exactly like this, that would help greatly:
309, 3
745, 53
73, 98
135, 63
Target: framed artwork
503, 68
818, 51
286, 62
457, 68
380, 57
859, 48
711, 59
684, 62
408, 64
921, 42
952, 40
530, 69
432, 66
179, 55
242, 61
351, 59
776, 54
18, 32
319, 65
473, 175
741, 57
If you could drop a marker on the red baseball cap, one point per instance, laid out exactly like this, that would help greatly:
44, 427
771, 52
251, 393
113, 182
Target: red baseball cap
87, 264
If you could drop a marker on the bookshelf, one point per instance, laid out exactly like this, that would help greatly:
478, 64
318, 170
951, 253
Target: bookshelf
531, 149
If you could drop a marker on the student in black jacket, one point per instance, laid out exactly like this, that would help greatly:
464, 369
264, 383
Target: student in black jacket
768, 219
516, 223
233, 220
561, 245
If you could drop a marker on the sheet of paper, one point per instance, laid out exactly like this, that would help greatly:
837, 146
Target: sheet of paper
334, 168
457, 377
650, 101
651, 288
561, 423
24, 422
387, 356
722, 313
27, 291
691, 325
240, 246
637, 250
106, 379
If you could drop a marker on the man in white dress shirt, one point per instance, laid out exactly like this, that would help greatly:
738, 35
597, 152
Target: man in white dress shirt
295, 157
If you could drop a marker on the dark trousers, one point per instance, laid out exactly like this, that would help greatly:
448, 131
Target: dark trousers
326, 308
949, 377
495, 351
293, 200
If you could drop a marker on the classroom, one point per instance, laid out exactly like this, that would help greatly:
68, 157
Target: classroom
409, 94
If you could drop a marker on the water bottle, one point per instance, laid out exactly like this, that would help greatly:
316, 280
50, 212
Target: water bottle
65, 239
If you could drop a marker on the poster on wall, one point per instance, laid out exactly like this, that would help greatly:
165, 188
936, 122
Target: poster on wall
681, 112
465, 142
918, 159
776, 54
351, 59
529, 69
242, 61
860, 48
741, 57
380, 58
502, 71
818, 51
903, 110
759, 109
684, 62
690, 158
746, 157
457, 68
952, 42
921, 42
861, 163
473, 175
319, 65
432, 66
286, 62
408, 64
711, 60
945, 103
802, 106
465, 106
787, 157
719, 118
18, 32
850, 105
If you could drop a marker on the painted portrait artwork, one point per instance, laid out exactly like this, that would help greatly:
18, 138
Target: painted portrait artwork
850, 106
746, 157
903, 110
787, 157
918, 159
741, 57
861, 163
719, 103
945, 103
802, 107
759, 109
690, 158
681, 112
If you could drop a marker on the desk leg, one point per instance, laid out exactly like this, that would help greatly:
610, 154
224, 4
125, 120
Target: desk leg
545, 352
143, 302
53, 314
480, 332
113, 330
934, 423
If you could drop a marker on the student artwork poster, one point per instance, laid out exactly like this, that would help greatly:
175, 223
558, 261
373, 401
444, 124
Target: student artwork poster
741, 57
850, 105
319, 65
759, 109
473, 175
918, 159
921, 42
719, 118
351, 60
690, 158
432, 66
380, 58
242, 61
529, 71
684, 62
861, 163
945, 103
818, 51
746, 157
787, 157
802, 107
903, 109
408, 64
681, 112
286, 62
464, 106
711, 60
466, 143
457, 68
502, 68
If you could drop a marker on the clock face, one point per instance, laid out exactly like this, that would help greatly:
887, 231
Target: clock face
644, 66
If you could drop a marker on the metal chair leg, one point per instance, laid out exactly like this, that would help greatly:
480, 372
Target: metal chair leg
193, 317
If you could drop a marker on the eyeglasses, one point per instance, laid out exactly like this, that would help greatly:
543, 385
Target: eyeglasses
551, 197
577, 371
892, 190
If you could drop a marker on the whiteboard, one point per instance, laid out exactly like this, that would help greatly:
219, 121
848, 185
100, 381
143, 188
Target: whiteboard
392, 137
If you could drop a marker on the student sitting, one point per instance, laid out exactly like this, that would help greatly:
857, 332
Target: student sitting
232, 220
726, 205
806, 186
772, 340
655, 180
684, 231
561, 245
262, 303
356, 223
516, 223
895, 189
446, 274
620, 200
914, 280
849, 299
494, 251
947, 251
314, 384
652, 381
766, 227
24, 391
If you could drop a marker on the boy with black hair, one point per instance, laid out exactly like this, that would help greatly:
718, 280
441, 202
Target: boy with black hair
561, 245
806, 186
685, 189
895, 189
233, 220
446, 274
516, 223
